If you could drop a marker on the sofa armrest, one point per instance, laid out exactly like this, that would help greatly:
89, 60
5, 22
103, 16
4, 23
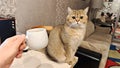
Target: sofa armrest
103, 29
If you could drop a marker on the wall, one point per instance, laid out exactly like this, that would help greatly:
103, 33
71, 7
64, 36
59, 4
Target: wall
41, 12
31, 13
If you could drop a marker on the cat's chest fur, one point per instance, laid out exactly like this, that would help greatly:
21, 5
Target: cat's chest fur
72, 36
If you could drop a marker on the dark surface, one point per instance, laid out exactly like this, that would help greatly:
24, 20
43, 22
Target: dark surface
87, 58
7, 29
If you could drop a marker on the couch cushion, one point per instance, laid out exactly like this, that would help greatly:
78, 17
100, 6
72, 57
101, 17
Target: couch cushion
100, 41
89, 29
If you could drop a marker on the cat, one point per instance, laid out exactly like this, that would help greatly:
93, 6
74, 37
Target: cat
65, 39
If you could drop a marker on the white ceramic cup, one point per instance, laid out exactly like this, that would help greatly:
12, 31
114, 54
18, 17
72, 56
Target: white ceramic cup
37, 38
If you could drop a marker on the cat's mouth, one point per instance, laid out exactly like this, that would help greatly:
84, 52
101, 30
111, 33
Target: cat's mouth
77, 25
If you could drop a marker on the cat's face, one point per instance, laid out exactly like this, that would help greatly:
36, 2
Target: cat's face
77, 18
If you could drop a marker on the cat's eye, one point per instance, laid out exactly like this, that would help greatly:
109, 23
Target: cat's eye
81, 17
73, 17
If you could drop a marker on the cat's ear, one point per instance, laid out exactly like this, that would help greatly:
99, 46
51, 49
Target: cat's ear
86, 10
69, 10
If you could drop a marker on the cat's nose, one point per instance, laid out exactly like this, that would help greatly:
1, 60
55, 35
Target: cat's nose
77, 19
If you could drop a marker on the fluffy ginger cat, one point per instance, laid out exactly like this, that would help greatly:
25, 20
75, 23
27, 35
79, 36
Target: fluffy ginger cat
65, 39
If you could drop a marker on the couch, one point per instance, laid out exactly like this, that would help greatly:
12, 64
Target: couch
98, 39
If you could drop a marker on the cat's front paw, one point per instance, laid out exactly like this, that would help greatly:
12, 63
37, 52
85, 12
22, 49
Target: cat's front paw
73, 62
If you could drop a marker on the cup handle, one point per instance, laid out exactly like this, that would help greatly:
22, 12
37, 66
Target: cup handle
26, 48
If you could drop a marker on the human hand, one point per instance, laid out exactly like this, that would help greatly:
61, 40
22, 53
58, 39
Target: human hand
11, 48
